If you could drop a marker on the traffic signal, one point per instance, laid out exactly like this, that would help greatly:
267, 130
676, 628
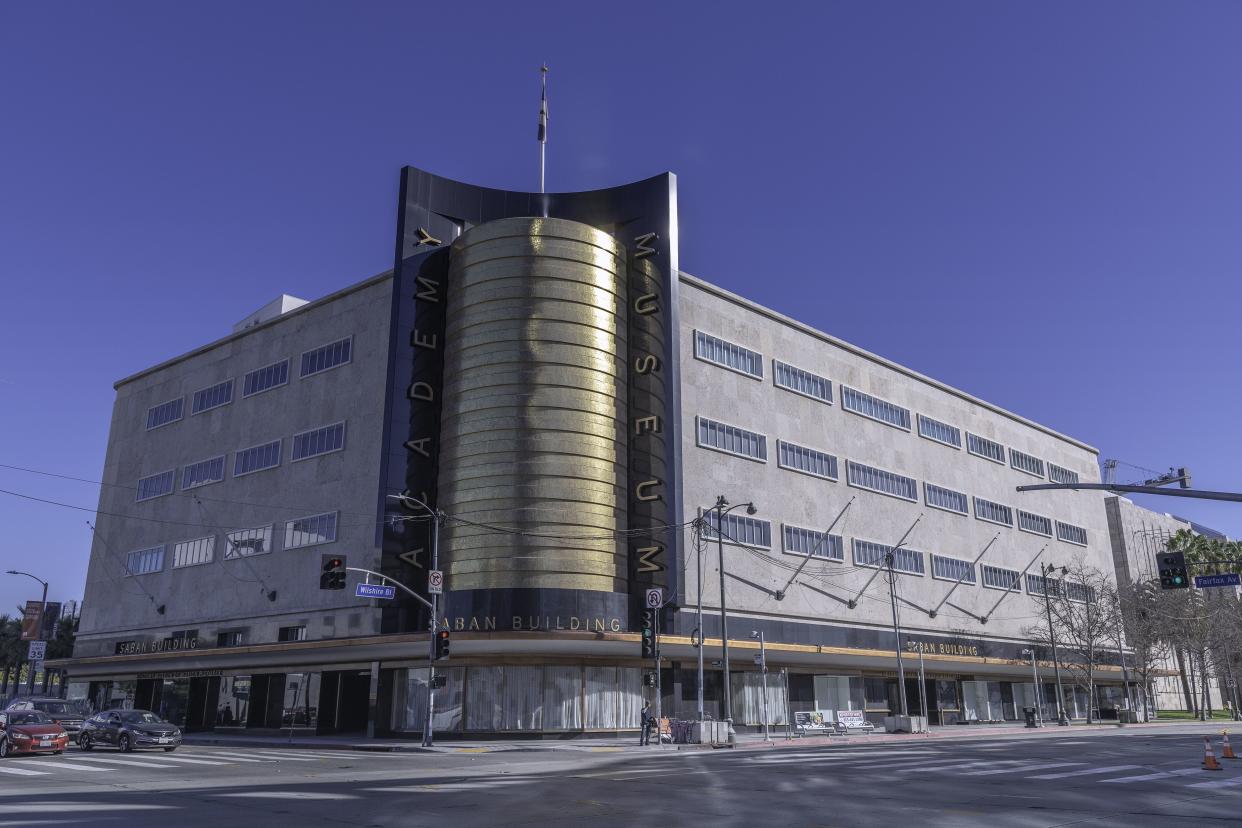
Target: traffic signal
442, 644
332, 572
1172, 567
649, 636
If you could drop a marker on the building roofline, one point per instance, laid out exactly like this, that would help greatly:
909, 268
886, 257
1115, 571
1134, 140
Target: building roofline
729, 296
365, 283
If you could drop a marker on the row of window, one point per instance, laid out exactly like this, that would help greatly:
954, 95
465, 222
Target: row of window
738, 358
314, 361
797, 540
234, 638
754, 446
311, 530
306, 445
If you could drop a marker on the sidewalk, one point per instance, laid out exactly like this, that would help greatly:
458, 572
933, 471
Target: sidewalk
628, 744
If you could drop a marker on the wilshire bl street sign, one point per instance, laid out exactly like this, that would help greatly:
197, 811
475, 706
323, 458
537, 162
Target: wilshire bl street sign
375, 591
1227, 580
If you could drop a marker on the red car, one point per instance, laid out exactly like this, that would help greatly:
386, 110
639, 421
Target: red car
30, 731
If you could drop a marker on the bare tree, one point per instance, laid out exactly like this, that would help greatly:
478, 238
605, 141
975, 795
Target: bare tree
1143, 630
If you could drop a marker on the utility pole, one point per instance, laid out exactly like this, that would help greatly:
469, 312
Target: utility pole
1045, 570
892, 595
698, 548
38, 632
721, 511
428, 736
763, 674
1039, 703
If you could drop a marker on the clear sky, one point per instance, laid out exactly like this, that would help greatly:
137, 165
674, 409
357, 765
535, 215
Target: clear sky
1039, 203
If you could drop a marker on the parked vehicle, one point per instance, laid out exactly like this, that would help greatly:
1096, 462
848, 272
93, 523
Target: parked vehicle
30, 731
129, 729
64, 713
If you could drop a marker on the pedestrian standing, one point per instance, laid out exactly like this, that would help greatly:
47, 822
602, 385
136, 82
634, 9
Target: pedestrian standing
647, 720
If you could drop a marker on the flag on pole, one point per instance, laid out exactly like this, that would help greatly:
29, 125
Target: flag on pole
543, 106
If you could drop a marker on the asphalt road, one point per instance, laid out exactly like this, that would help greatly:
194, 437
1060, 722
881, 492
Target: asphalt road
1132, 778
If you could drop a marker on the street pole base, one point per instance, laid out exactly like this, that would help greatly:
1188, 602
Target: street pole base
732, 734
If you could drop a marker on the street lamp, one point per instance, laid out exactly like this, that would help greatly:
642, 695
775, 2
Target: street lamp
721, 511
42, 615
1039, 704
915, 646
763, 673
1045, 570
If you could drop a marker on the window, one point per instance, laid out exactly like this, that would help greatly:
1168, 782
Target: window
874, 407
265, 378
165, 413
318, 441
157, 485
247, 542
1059, 475
740, 529
993, 512
1036, 524
952, 569
1071, 534
183, 635
202, 473
985, 448
712, 349
257, 458
311, 530
145, 561
327, 356
1035, 585
884, 482
996, 577
812, 543
213, 397
291, 634
801, 382
1081, 593
940, 432
732, 439
867, 553
1026, 462
939, 497
231, 638
194, 552
806, 460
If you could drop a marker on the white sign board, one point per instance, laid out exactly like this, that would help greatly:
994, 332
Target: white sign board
38, 651
655, 598
852, 718
435, 582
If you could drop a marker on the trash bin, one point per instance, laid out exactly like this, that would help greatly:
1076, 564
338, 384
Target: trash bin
1029, 713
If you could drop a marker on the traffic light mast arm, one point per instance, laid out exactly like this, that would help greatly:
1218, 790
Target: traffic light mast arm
1233, 497
397, 584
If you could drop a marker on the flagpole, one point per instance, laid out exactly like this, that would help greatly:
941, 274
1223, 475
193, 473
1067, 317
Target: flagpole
543, 122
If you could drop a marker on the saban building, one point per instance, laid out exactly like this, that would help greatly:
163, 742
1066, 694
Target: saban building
539, 370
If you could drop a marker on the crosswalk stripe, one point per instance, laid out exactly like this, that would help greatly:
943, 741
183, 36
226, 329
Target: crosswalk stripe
958, 765
281, 754
1217, 783
137, 763
235, 757
22, 771
1022, 769
1124, 780
72, 766
1085, 772
186, 759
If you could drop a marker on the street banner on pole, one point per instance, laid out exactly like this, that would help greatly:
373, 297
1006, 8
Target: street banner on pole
32, 620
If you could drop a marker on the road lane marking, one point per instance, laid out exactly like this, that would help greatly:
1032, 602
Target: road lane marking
72, 766
1125, 780
137, 763
960, 765
1022, 769
1221, 783
185, 759
22, 771
287, 795
233, 757
1086, 772
288, 757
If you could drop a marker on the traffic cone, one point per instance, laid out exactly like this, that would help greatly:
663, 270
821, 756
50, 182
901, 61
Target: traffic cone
1226, 752
1209, 758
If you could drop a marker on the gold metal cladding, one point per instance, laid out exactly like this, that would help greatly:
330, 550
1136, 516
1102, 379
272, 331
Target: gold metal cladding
533, 436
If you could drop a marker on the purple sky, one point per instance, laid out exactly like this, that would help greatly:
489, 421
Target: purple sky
1039, 203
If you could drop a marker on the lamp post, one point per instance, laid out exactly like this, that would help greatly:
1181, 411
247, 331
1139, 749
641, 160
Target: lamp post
42, 616
915, 646
763, 674
1039, 704
889, 560
721, 511
1045, 570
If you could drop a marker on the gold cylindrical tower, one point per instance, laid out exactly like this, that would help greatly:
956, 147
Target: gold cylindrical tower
533, 436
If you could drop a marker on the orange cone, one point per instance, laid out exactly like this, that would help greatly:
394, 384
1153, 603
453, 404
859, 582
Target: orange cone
1209, 758
1226, 752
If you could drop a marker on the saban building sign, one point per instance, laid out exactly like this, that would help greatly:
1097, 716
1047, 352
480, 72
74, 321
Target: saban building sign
427, 310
